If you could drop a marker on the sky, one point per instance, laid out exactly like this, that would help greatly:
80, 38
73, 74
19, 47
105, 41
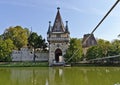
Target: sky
82, 16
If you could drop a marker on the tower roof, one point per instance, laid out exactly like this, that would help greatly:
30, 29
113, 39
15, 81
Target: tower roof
66, 28
58, 24
49, 28
90, 42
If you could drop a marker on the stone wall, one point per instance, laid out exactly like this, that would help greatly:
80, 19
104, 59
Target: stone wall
26, 55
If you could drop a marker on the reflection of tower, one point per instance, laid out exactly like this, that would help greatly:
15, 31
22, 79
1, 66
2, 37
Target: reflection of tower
58, 38
56, 76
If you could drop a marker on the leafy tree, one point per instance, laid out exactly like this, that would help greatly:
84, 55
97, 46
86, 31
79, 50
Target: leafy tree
36, 41
32, 39
6, 47
27, 31
94, 52
104, 49
18, 35
104, 46
0, 37
75, 44
115, 48
101, 50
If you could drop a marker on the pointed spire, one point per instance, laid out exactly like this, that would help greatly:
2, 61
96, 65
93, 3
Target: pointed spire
49, 28
66, 24
66, 30
58, 24
49, 23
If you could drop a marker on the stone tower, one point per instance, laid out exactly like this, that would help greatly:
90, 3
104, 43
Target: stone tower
58, 38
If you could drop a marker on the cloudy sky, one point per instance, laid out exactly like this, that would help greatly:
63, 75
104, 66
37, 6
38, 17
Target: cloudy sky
83, 16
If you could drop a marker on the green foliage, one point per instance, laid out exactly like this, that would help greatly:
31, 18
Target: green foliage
115, 48
24, 64
36, 41
75, 44
94, 52
18, 35
6, 48
104, 46
0, 37
16, 38
103, 49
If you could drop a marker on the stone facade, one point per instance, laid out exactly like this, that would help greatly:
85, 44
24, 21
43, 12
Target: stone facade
58, 38
26, 55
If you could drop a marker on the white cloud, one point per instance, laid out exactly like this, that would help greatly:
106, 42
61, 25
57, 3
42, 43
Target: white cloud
76, 9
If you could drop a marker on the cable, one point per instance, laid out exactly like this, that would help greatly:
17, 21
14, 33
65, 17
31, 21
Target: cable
101, 21
95, 28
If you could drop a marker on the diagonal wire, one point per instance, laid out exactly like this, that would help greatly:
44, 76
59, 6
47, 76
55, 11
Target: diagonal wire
95, 28
101, 21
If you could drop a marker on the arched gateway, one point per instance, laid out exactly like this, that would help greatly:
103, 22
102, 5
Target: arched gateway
58, 38
58, 55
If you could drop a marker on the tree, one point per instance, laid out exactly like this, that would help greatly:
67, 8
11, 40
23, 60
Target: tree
6, 47
32, 40
104, 46
101, 50
18, 35
94, 52
36, 41
115, 48
75, 44
0, 37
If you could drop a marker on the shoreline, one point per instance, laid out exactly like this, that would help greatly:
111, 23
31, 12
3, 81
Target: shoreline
94, 65
24, 64
46, 64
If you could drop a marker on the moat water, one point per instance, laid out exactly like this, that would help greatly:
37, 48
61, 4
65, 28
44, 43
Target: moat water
60, 76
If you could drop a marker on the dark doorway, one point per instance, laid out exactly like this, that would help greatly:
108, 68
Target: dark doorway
58, 53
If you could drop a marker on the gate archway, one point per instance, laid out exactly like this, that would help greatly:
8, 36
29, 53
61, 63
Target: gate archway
58, 53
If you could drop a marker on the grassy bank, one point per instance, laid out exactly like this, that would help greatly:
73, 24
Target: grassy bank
45, 64
94, 65
23, 64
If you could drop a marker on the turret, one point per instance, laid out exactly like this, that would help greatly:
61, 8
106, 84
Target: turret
49, 28
66, 28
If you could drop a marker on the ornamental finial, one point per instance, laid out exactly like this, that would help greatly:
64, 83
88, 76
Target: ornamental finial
58, 8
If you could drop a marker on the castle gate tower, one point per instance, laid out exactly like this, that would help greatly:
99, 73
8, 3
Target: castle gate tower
58, 38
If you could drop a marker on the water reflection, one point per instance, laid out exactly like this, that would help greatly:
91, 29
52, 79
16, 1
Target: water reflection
60, 76
117, 83
60, 72
46, 82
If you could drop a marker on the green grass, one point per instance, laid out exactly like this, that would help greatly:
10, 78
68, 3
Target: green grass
23, 64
